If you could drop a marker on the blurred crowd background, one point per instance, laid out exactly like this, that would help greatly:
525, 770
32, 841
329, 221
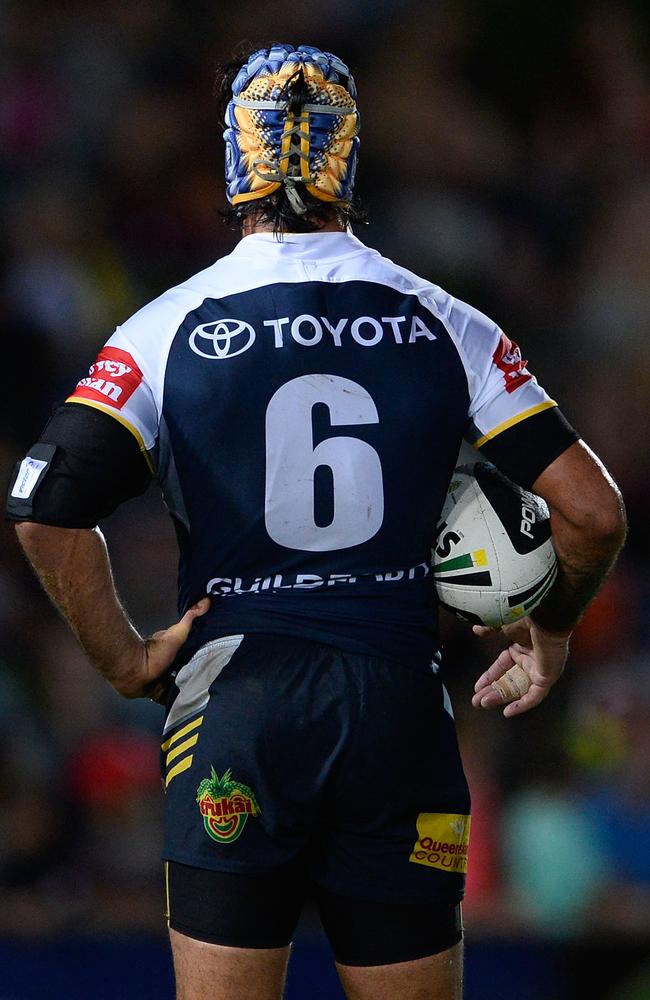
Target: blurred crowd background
505, 155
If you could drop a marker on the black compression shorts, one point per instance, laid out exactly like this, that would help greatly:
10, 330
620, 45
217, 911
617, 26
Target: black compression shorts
262, 911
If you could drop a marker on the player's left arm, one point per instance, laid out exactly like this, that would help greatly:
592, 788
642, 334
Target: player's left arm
589, 526
520, 429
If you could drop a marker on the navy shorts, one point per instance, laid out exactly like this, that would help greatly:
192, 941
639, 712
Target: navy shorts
280, 753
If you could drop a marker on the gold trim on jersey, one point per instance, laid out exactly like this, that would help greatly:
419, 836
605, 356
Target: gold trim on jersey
514, 420
120, 419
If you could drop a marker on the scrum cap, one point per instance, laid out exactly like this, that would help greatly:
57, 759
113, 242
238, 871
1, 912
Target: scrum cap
312, 147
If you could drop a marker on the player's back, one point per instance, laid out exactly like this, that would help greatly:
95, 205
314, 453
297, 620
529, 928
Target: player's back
304, 401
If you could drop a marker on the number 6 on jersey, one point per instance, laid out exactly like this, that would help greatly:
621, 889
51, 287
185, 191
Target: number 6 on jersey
292, 460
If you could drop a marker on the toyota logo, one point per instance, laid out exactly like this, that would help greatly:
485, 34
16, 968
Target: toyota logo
225, 338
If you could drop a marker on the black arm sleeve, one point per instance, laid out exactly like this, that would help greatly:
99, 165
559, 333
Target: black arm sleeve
523, 451
84, 465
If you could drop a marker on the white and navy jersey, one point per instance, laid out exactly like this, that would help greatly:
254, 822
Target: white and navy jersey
303, 402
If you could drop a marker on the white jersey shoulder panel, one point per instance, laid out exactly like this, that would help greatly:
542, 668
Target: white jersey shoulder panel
502, 390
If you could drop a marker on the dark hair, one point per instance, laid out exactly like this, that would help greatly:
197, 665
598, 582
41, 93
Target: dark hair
275, 208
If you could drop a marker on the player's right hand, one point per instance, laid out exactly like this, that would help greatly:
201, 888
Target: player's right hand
523, 673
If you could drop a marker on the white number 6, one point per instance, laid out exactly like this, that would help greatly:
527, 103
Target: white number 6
292, 460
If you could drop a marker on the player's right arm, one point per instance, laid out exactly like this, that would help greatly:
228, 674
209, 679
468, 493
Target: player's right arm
95, 453
75, 571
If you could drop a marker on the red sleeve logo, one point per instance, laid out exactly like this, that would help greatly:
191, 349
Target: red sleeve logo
111, 380
508, 359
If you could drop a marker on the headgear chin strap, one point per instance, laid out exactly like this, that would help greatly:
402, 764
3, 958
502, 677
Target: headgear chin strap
313, 149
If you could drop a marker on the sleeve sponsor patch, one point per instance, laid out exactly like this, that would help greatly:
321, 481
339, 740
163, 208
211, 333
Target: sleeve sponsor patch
28, 473
111, 380
508, 359
28, 476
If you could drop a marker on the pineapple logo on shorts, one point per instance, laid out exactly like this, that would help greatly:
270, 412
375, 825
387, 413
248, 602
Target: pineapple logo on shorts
225, 806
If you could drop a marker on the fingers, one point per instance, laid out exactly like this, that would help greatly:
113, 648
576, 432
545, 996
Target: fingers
513, 685
485, 696
502, 663
197, 610
509, 680
160, 652
181, 630
165, 644
483, 631
489, 698
515, 632
531, 699
493, 698
523, 674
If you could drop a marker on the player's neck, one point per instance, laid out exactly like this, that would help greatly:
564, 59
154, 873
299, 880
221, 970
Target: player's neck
251, 226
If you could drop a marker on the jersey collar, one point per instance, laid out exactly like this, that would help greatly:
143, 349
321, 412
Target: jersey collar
306, 246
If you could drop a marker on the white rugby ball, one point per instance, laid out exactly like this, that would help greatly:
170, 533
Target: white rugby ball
493, 559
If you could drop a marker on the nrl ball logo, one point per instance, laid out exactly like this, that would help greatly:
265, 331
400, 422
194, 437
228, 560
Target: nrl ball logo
225, 806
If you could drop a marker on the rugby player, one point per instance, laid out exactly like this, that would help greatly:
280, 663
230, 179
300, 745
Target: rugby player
302, 402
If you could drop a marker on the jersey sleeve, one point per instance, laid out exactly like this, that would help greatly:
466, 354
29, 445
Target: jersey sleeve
504, 392
119, 384
511, 419
100, 447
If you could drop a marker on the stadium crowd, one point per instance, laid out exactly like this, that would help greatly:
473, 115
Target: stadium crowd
505, 154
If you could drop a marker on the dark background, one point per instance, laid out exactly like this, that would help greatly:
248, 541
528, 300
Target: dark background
505, 155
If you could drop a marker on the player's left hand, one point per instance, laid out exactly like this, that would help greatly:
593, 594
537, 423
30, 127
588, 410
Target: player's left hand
533, 662
158, 654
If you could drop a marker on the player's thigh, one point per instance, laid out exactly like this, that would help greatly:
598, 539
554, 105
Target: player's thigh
217, 972
437, 977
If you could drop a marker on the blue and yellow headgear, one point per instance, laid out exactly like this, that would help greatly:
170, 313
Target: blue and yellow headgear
314, 149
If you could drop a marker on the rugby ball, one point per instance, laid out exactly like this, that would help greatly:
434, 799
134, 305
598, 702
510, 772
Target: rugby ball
493, 559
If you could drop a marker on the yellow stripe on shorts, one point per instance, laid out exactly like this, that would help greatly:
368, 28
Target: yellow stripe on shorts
182, 732
177, 769
181, 748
